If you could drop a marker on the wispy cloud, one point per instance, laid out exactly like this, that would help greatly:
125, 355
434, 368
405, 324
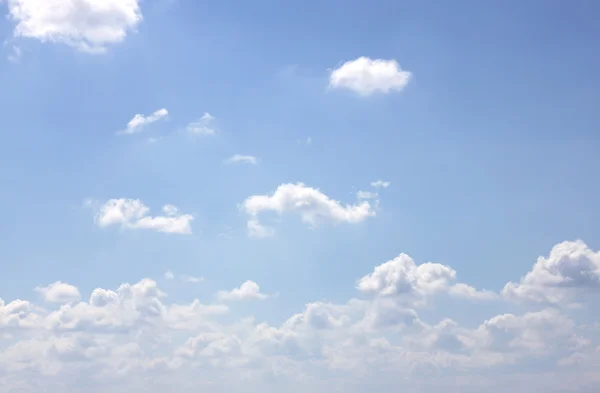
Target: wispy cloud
381, 184
242, 159
366, 195
169, 275
139, 121
191, 279
15, 54
204, 126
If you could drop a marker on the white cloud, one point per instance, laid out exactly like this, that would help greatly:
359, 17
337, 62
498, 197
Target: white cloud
571, 267
380, 184
204, 126
133, 214
366, 195
401, 277
87, 25
248, 290
530, 332
191, 279
138, 122
238, 158
59, 292
310, 204
207, 117
134, 339
366, 76
169, 275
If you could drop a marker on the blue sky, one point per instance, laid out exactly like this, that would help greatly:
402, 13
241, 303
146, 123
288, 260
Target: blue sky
479, 117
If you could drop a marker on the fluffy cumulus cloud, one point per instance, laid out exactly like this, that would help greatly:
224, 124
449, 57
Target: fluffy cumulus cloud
309, 203
59, 292
571, 268
133, 214
87, 25
133, 339
402, 278
367, 76
248, 290
139, 121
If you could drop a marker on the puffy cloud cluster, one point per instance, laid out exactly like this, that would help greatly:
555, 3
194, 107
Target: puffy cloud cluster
117, 338
248, 290
133, 214
402, 278
571, 268
87, 25
309, 203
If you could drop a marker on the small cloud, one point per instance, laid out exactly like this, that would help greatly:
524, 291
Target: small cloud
15, 54
248, 290
367, 76
207, 117
238, 158
139, 121
380, 184
59, 292
88, 26
203, 126
170, 210
191, 279
169, 275
366, 195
